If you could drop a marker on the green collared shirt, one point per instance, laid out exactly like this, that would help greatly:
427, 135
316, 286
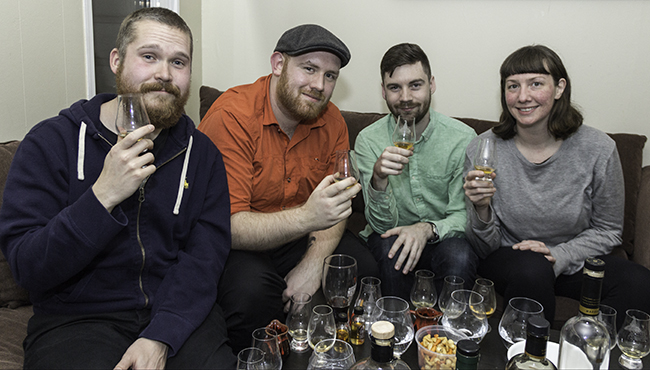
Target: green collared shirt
430, 188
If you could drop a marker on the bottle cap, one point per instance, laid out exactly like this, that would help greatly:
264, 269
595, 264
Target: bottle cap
358, 310
594, 264
467, 348
538, 326
383, 330
341, 317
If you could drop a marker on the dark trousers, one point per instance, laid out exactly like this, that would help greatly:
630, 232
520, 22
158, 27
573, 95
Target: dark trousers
250, 289
98, 341
529, 274
452, 256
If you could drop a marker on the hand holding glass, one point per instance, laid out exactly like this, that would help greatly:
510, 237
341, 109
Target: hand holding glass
131, 114
486, 158
404, 133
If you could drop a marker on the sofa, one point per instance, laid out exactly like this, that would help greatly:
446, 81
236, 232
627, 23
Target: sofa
15, 308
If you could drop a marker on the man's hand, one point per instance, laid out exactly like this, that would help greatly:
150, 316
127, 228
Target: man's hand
535, 246
125, 167
302, 278
330, 203
412, 239
390, 162
479, 192
144, 354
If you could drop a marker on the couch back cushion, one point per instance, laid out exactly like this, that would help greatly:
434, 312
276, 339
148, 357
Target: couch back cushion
11, 295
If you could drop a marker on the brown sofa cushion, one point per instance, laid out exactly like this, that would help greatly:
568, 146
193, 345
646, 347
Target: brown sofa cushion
207, 96
11, 295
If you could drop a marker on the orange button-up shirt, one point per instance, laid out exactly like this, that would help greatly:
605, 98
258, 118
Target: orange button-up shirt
267, 171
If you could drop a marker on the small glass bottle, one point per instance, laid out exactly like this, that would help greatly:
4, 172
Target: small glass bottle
342, 326
467, 355
534, 356
357, 327
382, 341
584, 336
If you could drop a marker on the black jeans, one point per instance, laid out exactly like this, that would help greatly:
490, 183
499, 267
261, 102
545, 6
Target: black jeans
98, 341
250, 289
529, 274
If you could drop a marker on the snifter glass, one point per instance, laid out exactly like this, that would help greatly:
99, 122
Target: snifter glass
634, 339
346, 166
404, 133
486, 158
131, 113
339, 280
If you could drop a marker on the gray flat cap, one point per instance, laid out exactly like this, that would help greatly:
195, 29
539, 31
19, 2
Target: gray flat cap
311, 37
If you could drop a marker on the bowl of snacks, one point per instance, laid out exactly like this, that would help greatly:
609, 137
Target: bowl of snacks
437, 347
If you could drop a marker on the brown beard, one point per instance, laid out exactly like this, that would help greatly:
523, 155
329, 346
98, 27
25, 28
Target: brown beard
418, 115
163, 115
298, 108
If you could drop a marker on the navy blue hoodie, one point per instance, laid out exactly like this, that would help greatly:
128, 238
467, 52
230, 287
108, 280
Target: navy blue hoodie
161, 249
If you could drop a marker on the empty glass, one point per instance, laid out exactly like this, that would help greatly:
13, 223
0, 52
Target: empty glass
369, 293
424, 292
607, 315
452, 282
396, 311
321, 325
332, 354
131, 113
339, 280
298, 321
346, 165
512, 327
267, 340
251, 358
634, 339
465, 313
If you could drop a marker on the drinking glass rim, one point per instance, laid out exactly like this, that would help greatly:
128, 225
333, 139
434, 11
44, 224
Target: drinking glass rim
328, 308
392, 299
370, 280
351, 263
456, 279
467, 291
631, 311
272, 332
257, 359
480, 281
526, 299
428, 274
301, 301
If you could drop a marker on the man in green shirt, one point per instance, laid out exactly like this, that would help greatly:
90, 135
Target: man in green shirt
415, 205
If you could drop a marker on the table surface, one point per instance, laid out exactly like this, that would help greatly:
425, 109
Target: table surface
493, 352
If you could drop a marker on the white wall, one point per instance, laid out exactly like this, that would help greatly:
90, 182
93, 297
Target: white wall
605, 46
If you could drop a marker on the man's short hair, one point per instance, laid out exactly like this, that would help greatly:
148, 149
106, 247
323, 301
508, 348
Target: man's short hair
126, 34
404, 54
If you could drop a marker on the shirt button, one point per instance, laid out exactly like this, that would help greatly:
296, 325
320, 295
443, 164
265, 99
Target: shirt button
289, 179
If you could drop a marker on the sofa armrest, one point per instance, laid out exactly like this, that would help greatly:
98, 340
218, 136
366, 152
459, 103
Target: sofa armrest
642, 233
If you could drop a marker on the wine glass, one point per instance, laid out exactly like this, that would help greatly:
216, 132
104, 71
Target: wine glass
485, 287
332, 354
466, 313
251, 358
346, 166
424, 292
396, 311
486, 158
267, 340
512, 327
634, 339
131, 113
298, 321
404, 134
369, 293
321, 325
452, 282
339, 280
607, 315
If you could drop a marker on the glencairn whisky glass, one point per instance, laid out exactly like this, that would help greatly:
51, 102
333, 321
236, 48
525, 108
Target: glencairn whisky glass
486, 158
404, 133
131, 114
634, 339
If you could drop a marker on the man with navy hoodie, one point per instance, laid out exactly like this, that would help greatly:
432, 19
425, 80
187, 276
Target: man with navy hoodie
121, 241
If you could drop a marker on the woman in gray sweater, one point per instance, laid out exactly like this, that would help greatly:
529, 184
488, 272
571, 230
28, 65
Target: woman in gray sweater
557, 196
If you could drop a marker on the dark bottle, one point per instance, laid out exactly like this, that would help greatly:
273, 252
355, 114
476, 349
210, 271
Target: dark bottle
357, 327
382, 341
534, 356
342, 326
467, 355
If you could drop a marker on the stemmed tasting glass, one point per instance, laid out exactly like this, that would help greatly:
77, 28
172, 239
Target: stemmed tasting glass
321, 325
465, 312
486, 158
346, 166
634, 339
298, 321
131, 113
332, 354
485, 287
339, 280
251, 358
607, 315
424, 292
267, 340
404, 133
369, 293
512, 327
452, 282
396, 311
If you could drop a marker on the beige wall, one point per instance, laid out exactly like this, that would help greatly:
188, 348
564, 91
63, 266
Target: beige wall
604, 45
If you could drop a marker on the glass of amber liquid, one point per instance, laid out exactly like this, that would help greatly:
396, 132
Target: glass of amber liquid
404, 134
486, 158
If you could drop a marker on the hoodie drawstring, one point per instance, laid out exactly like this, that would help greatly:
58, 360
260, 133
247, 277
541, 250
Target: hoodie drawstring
181, 185
81, 151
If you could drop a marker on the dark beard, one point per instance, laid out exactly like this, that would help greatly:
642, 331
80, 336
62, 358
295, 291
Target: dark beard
419, 115
298, 109
163, 115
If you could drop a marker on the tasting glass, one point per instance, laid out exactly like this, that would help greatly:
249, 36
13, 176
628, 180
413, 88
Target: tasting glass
423, 293
251, 358
396, 311
607, 315
332, 354
298, 321
131, 113
486, 158
512, 327
339, 280
465, 313
485, 287
452, 282
346, 165
404, 133
369, 293
634, 339
321, 325
267, 340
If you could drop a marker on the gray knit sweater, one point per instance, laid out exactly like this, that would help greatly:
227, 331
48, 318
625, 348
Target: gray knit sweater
573, 202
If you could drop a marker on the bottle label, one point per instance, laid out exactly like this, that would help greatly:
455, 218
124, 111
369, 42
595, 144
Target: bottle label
591, 287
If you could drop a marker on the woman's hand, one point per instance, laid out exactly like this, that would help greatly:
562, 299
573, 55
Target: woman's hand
535, 246
480, 192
